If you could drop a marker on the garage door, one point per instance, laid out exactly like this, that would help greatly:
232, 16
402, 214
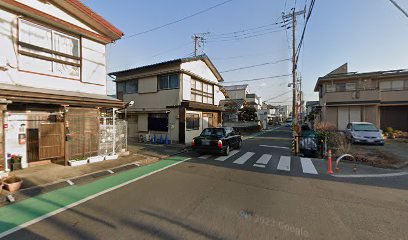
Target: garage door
342, 117
346, 115
395, 117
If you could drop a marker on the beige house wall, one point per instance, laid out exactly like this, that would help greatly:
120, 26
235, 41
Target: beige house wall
331, 115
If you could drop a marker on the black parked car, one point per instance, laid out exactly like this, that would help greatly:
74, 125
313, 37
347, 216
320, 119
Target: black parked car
217, 140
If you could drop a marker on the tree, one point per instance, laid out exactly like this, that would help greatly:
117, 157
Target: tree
247, 113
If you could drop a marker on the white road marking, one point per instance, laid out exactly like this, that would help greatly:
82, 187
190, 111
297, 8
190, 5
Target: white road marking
50, 214
264, 159
284, 163
259, 165
110, 171
307, 166
223, 158
244, 158
204, 156
274, 146
70, 182
371, 175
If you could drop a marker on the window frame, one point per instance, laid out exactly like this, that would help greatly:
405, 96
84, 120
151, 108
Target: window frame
168, 79
29, 50
195, 121
200, 93
134, 81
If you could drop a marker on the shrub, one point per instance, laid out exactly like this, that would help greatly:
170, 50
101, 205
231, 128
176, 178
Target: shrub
335, 140
388, 130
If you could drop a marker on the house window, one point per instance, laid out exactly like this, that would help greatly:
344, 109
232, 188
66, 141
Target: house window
47, 51
170, 81
393, 85
120, 89
158, 122
192, 121
202, 92
351, 86
132, 86
340, 87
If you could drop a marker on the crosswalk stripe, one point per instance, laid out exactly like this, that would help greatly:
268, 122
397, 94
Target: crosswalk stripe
259, 165
284, 163
264, 159
204, 156
307, 166
223, 158
244, 158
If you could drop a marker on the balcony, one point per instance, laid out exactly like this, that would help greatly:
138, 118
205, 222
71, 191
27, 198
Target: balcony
356, 96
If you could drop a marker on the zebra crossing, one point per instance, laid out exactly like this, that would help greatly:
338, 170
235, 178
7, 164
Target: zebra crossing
265, 161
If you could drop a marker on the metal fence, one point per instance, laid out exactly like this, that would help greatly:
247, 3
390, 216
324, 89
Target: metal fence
113, 136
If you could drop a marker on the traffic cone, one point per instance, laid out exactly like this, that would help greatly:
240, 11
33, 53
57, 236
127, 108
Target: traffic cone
329, 159
154, 139
167, 140
161, 139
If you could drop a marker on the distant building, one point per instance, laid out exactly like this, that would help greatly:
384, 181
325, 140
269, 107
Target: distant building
177, 98
379, 97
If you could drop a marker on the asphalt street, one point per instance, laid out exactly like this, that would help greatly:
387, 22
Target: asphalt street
259, 192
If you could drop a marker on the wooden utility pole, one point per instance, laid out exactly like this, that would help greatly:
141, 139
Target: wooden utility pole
199, 39
295, 113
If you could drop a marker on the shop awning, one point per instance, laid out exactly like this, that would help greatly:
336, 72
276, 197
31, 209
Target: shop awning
24, 94
201, 106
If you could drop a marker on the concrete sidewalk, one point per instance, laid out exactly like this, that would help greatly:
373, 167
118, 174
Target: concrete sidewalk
44, 178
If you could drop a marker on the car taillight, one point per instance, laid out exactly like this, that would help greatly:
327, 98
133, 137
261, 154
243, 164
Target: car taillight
219, 143
194, 143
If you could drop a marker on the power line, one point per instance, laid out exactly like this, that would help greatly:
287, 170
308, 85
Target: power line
262, 78
241, 38
244, 30
399, 8
177, 21
280, 95
257, 65
244, 34
304, 29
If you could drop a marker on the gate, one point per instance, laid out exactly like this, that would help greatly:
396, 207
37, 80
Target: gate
51, 140
83, 132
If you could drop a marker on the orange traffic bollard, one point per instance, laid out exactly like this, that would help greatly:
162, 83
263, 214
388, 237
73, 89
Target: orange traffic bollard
329, 159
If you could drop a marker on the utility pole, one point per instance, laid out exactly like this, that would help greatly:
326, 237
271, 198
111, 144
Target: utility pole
295, 113
199, 39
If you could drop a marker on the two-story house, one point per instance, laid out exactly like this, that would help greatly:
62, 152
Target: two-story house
52, 79
177, 98
379, 97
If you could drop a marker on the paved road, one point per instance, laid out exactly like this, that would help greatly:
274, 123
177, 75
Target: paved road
230, 198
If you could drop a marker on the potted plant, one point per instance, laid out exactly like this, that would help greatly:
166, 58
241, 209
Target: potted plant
111, 156
96, 159
15, 161
13, 183
78, 161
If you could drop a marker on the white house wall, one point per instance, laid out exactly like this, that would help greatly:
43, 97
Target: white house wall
186, 87
93, 69
201, 69
218, 95
47, 7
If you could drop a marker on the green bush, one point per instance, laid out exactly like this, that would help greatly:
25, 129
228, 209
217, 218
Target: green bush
388, 130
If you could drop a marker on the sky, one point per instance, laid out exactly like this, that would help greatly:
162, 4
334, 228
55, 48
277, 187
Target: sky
369, 35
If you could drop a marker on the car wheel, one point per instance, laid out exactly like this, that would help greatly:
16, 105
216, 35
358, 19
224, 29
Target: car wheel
239, 144
227, 150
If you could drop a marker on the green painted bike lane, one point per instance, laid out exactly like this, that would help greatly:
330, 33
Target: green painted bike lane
21, 214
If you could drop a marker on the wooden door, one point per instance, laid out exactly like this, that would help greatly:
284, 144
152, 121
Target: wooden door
32, 145
51, 140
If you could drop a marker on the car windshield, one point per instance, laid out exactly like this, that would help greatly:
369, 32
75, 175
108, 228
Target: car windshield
365, 127
212, 132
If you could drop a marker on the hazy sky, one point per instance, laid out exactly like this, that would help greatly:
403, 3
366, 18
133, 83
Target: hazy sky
368, 34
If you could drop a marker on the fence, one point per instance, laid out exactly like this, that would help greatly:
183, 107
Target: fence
112, 136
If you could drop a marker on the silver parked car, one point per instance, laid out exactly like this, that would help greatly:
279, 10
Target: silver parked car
364, 132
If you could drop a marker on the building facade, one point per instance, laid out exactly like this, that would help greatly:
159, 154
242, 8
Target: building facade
52, 80
378, 97
176, 98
